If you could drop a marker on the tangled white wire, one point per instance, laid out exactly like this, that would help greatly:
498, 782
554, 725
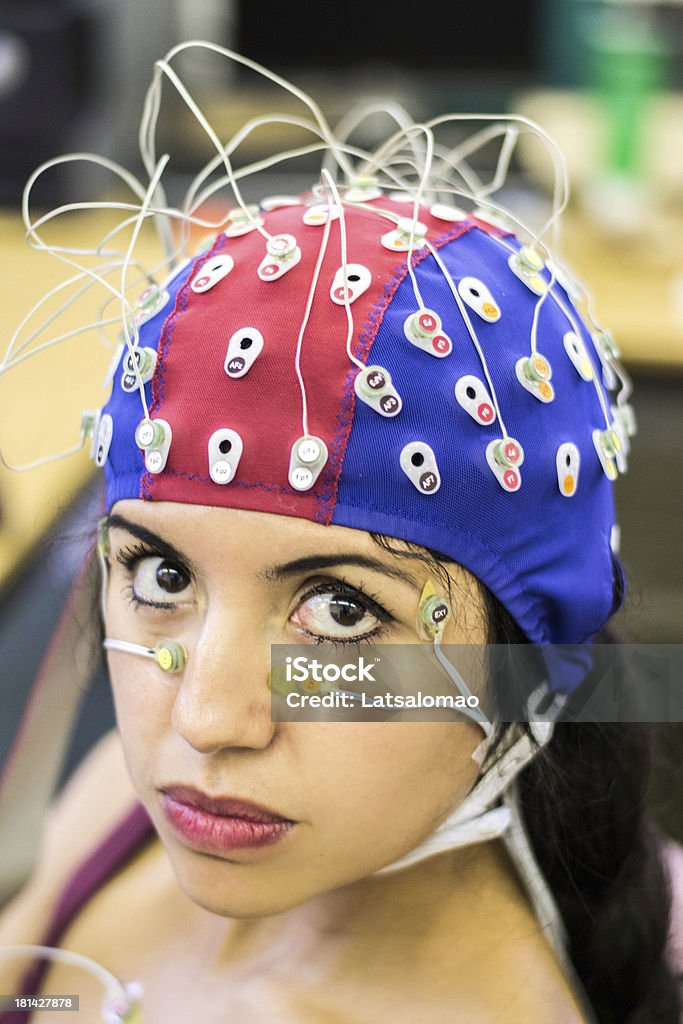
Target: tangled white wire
413, 163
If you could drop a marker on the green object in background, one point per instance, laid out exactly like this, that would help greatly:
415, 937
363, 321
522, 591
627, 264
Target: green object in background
628, 65
617, 50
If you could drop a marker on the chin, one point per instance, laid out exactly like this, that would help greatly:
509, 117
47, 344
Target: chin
233, 888
242, 898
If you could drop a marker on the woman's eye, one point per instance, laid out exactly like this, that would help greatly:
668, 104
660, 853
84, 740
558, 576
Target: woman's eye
158, 581
336, 615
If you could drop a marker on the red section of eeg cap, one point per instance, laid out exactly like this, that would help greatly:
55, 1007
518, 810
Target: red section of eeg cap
193, 393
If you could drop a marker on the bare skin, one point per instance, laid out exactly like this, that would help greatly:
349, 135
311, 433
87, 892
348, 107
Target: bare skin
303, 930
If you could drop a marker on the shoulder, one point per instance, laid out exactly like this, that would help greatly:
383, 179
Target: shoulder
672, 854
537, 987
96, 797
521, 980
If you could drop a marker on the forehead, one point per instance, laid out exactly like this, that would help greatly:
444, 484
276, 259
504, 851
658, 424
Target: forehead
258, 542
253, 534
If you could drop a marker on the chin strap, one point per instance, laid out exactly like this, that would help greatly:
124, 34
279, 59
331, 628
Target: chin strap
31, 771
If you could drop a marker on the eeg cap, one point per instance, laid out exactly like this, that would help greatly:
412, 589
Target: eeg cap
498, 454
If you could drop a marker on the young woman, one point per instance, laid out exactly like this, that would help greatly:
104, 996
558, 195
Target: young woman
359, 421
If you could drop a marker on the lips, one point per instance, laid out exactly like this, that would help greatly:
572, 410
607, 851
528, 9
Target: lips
217, 824
227, 807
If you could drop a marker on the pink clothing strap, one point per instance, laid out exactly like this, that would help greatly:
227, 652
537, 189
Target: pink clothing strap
113, 852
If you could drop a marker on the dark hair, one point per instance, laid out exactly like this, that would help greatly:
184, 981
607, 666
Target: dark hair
584, 801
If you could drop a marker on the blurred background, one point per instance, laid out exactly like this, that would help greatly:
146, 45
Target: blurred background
604, 78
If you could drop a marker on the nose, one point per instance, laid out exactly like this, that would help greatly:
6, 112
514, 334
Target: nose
223, 699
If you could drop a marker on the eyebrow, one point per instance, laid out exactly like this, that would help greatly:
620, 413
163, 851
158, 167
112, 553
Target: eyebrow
311, 562
277, 573
117, 522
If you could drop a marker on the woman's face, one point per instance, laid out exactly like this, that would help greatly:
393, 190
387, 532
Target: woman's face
228, 584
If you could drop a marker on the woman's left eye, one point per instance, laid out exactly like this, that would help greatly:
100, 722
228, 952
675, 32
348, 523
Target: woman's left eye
337, 615
159, 581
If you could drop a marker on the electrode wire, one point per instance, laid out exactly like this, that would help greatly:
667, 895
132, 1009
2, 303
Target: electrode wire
307, 312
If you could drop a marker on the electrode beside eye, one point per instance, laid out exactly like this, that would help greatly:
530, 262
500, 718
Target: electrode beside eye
433, 612
170, 655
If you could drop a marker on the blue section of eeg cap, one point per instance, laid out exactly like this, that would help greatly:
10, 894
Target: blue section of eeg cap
545, 556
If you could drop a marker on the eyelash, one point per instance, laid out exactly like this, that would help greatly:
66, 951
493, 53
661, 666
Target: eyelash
129, 557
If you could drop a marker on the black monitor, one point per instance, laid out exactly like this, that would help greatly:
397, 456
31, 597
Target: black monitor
489, 37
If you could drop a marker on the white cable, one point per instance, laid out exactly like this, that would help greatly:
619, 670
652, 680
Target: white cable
229, 148
185, 95
475, 714
111, 644
355, 117
560, 196
429, 139
307, 312
472, 333
156, 177
53, 316
151, 113
327, 177
503, 164
276, 80
43, 461
5, 367
455, 158
119, 998
476, 819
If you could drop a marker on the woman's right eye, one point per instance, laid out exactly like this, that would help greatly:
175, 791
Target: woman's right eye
158, 581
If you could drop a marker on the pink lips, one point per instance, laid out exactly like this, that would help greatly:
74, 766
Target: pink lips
221, 823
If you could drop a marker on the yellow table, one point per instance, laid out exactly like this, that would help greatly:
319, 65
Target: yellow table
42, 399
637, 287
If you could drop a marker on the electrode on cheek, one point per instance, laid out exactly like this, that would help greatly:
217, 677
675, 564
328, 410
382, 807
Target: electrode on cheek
170, 655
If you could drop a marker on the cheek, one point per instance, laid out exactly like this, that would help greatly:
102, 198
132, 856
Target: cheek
394, 782
143, 711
